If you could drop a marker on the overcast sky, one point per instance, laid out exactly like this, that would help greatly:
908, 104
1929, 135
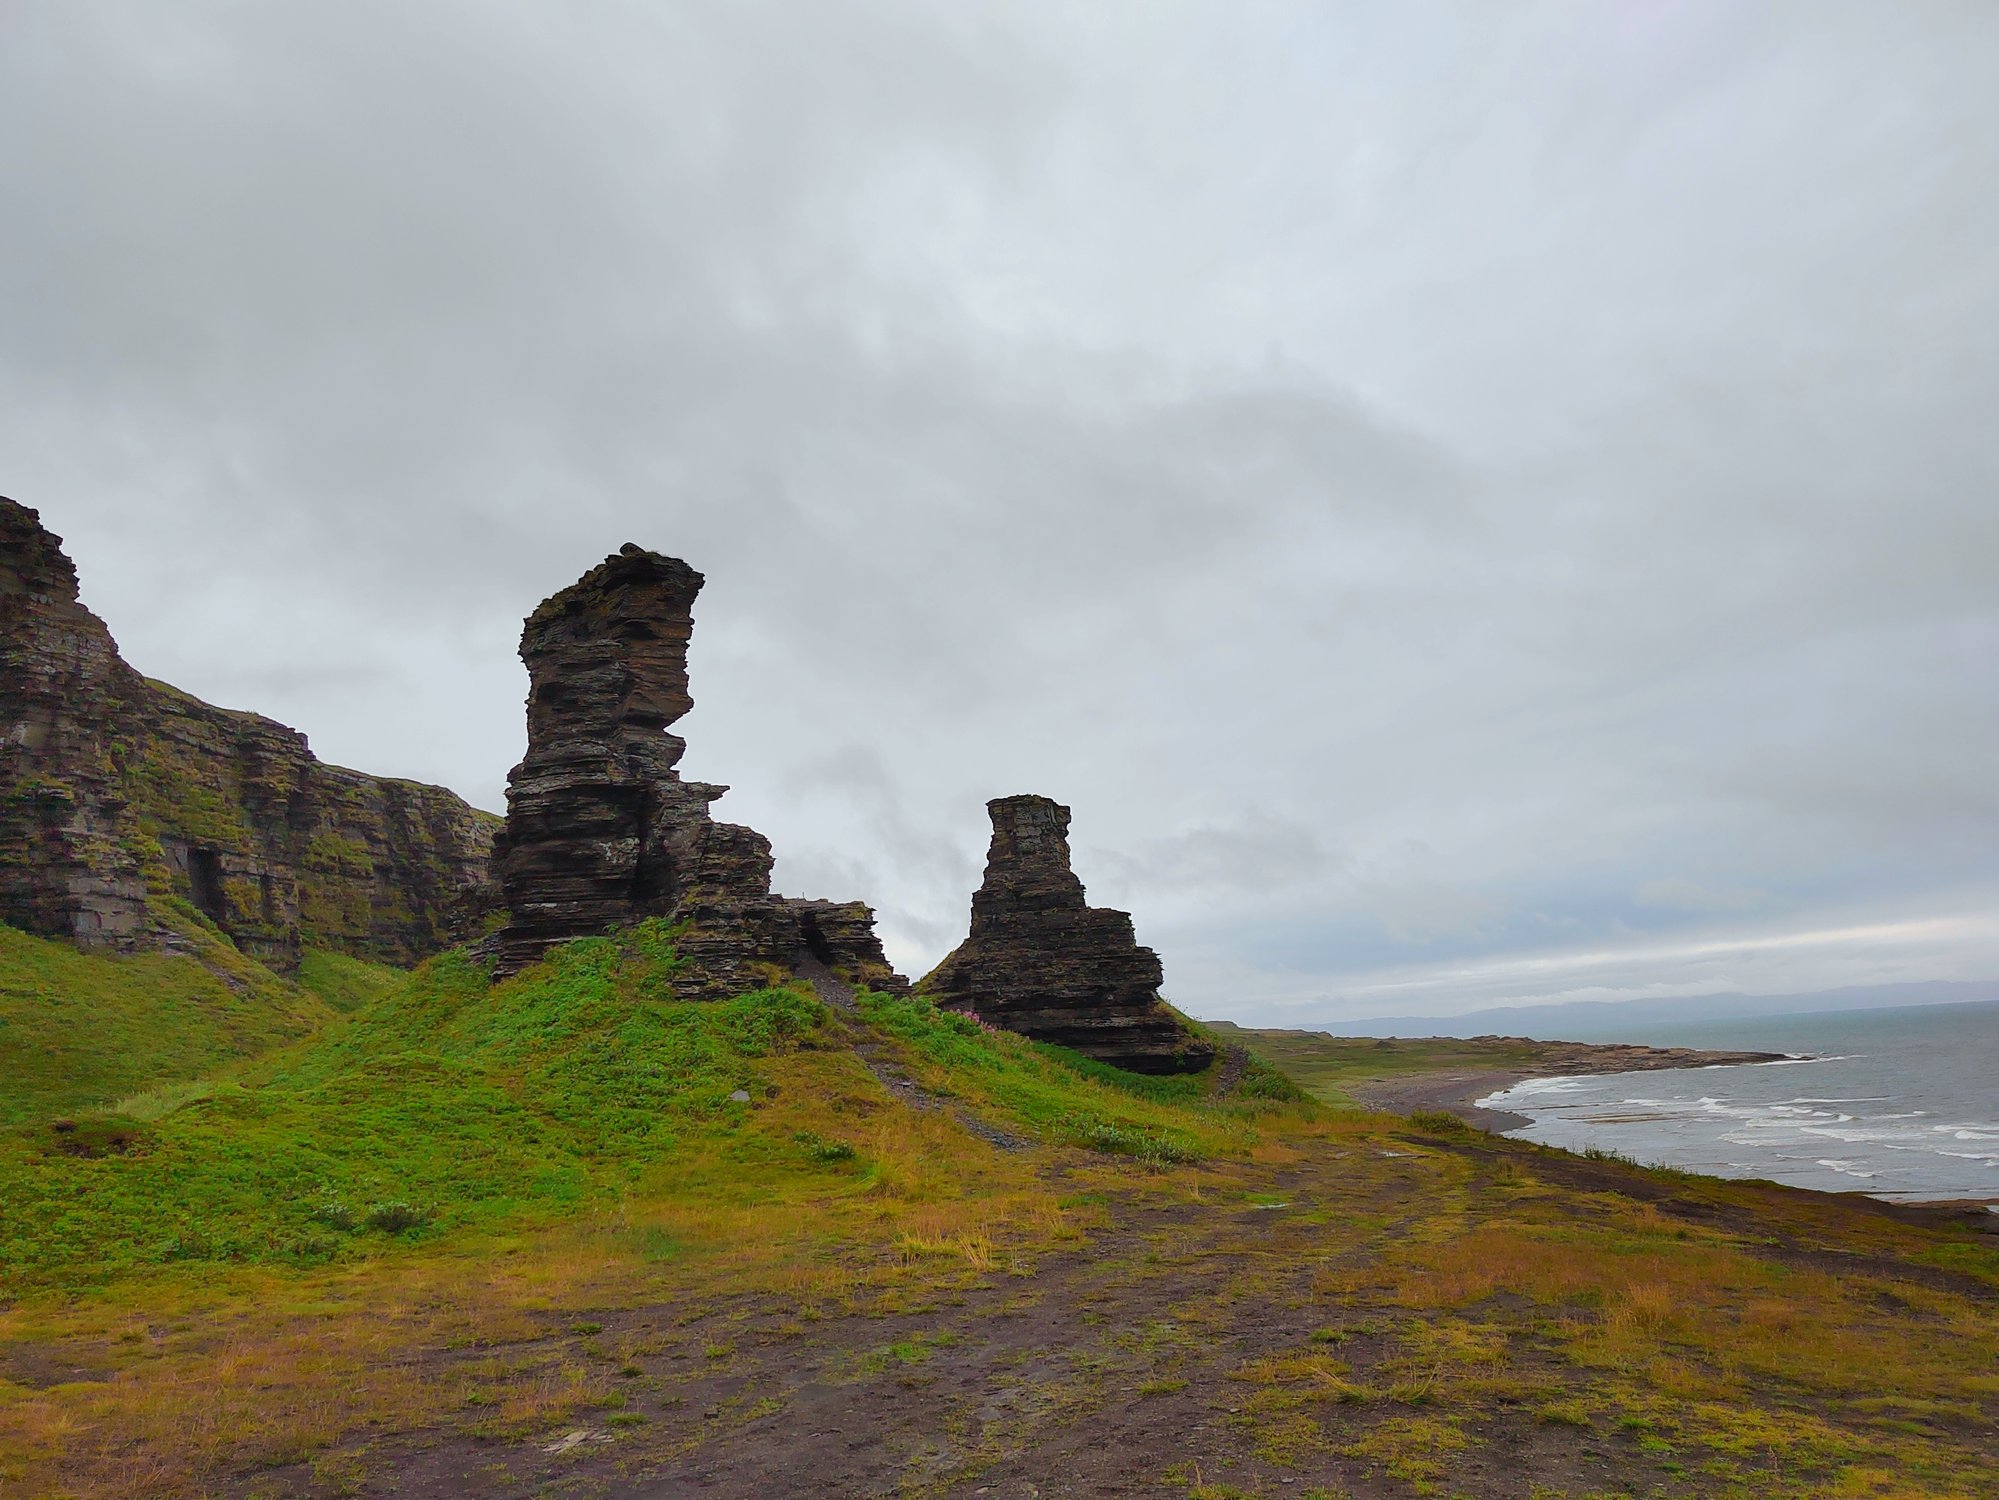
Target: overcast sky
1470, 503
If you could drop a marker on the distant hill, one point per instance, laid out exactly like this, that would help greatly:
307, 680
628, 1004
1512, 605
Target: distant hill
1588, 1020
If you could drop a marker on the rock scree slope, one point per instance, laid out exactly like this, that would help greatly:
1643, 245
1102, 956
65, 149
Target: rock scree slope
131, 812
601, 829
1042, 961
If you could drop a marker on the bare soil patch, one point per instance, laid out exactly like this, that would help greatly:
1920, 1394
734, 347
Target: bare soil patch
1140, 1364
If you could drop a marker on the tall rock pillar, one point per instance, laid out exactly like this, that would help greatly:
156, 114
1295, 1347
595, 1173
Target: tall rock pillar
600, 828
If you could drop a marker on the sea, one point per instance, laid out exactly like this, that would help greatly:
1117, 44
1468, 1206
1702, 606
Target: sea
1900, 1103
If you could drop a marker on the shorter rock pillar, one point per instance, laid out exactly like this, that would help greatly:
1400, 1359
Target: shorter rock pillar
1045, 963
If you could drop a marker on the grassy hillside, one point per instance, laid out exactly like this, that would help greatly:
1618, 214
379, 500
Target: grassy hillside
78, 1030
567, 1234
448, 1102
345, 982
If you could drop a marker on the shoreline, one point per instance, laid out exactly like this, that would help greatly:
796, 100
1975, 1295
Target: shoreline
1453, 1093
1456, 1093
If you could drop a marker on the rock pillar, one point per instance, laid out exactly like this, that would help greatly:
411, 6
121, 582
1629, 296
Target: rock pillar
1042, 961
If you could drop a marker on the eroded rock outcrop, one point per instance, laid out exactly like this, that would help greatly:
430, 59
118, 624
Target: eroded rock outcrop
841, 935
1043, 962
125, 803
602, 830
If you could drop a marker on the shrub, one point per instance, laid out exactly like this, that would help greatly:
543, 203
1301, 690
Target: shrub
771, 1020
192, 1243
313, 1249
1151, 1147
820, 1149
334, 1215
394, 1218
1443, 1122
1263, 1082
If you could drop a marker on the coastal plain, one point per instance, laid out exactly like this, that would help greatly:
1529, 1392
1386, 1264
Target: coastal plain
522, 1239
1406, 1075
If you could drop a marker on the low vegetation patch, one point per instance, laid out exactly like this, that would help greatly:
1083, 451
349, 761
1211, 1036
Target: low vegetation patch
1152, 1147
1439, 1122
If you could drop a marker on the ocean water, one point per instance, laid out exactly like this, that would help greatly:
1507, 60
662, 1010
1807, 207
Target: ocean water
1899, 1103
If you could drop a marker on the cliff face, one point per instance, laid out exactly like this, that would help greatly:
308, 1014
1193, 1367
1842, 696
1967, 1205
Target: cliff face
1043, 962
124, 802
601, 829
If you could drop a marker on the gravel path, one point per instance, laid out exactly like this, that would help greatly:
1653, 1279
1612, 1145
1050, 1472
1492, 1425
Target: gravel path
839, 995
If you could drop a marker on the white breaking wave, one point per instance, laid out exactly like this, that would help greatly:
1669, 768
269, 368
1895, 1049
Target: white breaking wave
1883, 1137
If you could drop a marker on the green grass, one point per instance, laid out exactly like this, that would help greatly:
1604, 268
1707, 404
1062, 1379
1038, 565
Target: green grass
1058, 1095
1259, 1079
344, 982
448, 1102
81, 1030
443, 1103
1324, 1066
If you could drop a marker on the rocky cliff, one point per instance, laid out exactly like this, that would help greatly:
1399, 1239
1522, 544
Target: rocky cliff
129, 810
1043, 962
841, 935
602, 830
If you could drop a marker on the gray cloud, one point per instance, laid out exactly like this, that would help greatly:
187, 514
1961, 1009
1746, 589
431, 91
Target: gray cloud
1427, 495
1257, 855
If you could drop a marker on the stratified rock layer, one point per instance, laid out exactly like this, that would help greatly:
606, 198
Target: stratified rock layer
124, 803
601, 830
841, 935
1043, 962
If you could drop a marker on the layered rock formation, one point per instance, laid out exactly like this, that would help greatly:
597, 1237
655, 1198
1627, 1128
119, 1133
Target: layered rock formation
127, 806
601, 829
841, 935
1043, 962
